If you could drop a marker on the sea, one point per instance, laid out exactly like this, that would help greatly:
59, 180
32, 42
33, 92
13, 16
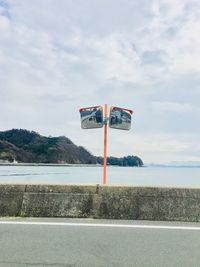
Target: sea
91, 175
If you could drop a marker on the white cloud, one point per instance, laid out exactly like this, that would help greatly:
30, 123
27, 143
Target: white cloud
175, 107
56, 56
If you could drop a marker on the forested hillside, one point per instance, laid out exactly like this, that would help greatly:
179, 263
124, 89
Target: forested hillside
30, 147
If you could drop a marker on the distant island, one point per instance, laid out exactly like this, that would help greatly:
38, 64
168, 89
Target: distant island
23, 146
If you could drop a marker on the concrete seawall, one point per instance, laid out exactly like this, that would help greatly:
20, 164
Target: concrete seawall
102, 202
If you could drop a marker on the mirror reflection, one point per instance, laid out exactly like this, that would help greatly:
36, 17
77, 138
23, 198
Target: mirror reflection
120, 118
91, 117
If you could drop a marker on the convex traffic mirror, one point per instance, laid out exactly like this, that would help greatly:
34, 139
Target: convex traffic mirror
91, 117
120, 118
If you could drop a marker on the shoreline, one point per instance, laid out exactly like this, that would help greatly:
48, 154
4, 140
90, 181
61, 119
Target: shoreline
50, 164
64, 165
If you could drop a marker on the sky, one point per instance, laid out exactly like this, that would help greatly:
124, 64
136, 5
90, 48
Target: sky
59, 56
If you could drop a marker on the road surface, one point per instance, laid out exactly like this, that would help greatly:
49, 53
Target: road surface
107, 243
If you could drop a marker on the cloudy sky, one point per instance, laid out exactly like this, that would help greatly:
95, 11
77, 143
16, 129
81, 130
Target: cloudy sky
58, 56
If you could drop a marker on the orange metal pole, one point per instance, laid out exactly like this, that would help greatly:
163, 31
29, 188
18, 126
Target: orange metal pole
105, 145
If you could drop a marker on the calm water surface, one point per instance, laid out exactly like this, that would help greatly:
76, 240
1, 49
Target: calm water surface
150, 176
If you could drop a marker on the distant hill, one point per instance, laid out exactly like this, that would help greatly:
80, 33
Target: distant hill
30, 147
132, 161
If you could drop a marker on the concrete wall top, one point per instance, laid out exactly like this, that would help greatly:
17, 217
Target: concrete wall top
11, 188
103, 190
75, 189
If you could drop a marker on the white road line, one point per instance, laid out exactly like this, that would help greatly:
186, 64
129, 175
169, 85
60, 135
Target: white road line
193, 228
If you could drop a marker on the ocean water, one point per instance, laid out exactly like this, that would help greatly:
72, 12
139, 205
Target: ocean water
146, 176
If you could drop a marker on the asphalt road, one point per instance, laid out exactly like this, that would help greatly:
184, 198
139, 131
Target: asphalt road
106, 243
